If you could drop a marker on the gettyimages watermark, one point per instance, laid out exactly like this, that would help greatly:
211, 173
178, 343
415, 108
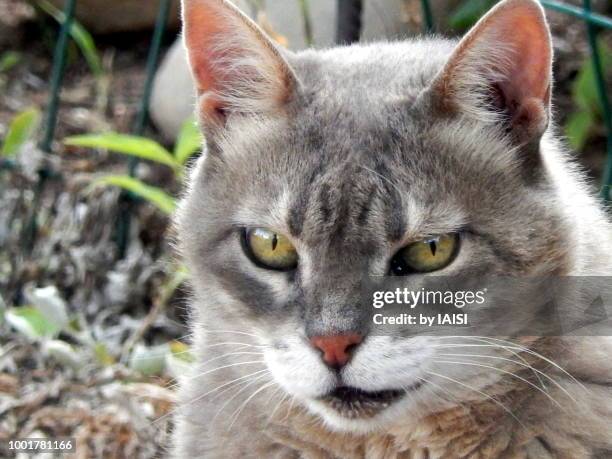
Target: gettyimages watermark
411, 299
493, 306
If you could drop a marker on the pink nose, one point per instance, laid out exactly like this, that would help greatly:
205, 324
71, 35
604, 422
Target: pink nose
336, 349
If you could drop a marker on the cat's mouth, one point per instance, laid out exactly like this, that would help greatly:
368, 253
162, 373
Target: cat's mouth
353, 403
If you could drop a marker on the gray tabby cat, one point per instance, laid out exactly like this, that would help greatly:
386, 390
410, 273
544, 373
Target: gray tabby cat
409, 158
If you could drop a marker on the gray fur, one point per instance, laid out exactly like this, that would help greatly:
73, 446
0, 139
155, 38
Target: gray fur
358, 164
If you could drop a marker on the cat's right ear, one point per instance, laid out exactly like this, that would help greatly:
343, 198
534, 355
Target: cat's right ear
501, 71
237, 69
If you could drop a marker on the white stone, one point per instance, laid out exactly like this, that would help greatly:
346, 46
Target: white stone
173, 93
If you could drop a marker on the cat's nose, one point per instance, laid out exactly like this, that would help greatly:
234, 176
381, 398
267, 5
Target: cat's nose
336, 349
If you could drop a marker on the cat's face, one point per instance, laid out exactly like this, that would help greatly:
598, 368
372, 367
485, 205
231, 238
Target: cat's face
362, 153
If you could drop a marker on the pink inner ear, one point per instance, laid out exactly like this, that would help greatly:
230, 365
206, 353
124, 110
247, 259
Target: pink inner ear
202, 25
503, 66
236, 67
529, 73
509, 48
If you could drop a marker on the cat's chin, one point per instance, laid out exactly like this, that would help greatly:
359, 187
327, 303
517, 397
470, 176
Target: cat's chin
352, 410
355, 403
337, 422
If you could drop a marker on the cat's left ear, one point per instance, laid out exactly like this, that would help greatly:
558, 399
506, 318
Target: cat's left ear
501, 71
237, 69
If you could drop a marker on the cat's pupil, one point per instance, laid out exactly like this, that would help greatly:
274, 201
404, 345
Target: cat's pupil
433, 247
274, 242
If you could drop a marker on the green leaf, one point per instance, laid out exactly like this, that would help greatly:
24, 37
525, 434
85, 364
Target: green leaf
189, 141
180, 359
102, 355
468, 12
31, 322
74, 325
154, 195
20, 130
80, 35
584, 89
140, 147
51, 305
8, 60
578, 127
581, 123
181, 351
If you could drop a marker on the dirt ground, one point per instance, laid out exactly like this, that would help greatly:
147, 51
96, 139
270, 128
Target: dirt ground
110, 408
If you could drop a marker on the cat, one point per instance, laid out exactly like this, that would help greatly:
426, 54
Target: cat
419, 158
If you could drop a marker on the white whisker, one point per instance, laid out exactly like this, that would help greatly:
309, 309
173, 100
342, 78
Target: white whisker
234, 343
235, 332
289, 408
526, 365
253, 362
493, 399
514, 375
284, 396
241, 390
201, 396
236, 413
206, 362
531, 352
200, 365
428, 383
513, 352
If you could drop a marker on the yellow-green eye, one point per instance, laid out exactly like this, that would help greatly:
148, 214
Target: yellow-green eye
270, 250
428, 255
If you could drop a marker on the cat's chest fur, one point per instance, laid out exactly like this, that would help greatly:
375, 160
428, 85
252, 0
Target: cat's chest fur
461, 432
482, 430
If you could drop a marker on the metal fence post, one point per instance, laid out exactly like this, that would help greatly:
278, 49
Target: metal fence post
428, 25
57, 78
603, 98
348, 21
57, 75
123, 228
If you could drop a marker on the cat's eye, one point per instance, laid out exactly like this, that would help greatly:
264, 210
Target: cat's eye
427, 255
269, 249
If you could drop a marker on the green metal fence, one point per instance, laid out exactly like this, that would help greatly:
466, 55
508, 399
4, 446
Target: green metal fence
349, 23
594, 23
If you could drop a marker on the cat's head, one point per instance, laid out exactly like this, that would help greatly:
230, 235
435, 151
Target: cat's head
326, 167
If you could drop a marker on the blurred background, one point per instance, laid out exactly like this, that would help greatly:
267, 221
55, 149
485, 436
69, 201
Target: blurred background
96, 134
